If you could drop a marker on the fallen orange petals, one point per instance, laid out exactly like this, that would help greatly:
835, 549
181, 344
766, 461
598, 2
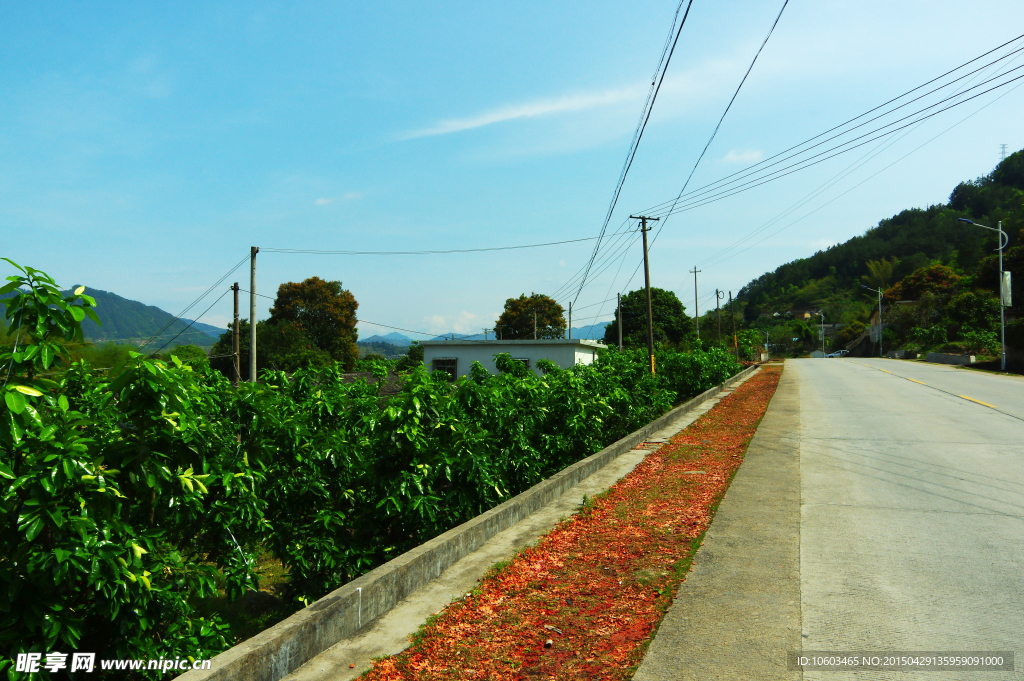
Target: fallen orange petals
598, 584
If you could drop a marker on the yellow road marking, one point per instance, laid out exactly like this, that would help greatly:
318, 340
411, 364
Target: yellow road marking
978, 401
884, 371
916, 381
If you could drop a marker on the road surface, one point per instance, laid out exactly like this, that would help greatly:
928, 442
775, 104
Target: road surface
894, 499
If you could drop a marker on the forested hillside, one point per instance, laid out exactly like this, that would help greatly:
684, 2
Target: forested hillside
914, 238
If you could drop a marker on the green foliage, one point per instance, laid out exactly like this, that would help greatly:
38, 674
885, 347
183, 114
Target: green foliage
119, 497
517, 321
913, 239
188, 354
126, 500
321, 311
413, 358
669, 321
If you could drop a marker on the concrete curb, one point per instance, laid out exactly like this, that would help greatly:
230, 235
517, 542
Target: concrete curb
284, 647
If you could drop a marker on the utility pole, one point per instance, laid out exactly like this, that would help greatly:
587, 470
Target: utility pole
735, 340
535, 325
235, 359
253, 250
718, 307
696, 312
618, 297
485, 334
647, 283
570, 320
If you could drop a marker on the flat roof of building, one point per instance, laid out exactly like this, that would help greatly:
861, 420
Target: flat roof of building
545, 341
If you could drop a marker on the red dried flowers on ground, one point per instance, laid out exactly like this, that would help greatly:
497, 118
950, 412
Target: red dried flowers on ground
584, 602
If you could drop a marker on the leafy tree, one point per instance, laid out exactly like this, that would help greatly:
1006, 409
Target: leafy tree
880, 273
517, 321
324, 313
669, 320
413, 359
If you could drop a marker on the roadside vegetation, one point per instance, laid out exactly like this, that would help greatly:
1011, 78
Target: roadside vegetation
140, 507
940, 278
586, 600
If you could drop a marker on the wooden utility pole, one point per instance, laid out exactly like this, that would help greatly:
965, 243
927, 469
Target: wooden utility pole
253, 250
235, 358
647, 283
618, 297
696, 311
735, 340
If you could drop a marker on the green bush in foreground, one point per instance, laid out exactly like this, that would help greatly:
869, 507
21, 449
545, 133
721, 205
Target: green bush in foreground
125, 499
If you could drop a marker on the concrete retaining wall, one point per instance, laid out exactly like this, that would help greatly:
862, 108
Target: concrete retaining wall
279, 650
941, 358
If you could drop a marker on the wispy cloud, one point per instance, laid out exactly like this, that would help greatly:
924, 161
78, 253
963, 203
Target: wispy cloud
542, 107
744, 156
347, 196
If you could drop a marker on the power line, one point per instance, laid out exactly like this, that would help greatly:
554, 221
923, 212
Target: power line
191, 323
725, 191
797, 167
745, 172
885, 144
714, 133
425, 252
193, 303
645, 116
721, 183
873, 174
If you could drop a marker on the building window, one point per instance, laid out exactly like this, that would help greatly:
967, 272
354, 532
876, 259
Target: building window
524, 360
449, 365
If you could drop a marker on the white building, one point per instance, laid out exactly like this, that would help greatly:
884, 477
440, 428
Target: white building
456, 357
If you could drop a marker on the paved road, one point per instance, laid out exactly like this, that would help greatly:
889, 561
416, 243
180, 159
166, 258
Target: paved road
911, 521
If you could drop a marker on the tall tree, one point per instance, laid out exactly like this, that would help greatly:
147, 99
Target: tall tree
324, 312
516, 322
670, 321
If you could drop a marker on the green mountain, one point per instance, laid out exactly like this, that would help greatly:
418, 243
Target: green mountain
130, 322
918, 237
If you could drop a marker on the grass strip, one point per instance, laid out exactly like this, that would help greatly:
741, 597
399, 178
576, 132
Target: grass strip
585, 602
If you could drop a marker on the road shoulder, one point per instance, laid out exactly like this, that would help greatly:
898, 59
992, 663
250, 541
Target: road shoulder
738, 612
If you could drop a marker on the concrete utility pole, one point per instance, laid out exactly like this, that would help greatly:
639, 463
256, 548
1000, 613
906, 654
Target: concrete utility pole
253, 250
881, 327
718, 307
485, 334
570, 321
735, 340
236, 358
534, 325
647, 283
696, 312
822, 315
1005, 299
618, 297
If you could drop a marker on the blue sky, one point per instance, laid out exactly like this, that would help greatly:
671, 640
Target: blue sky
143, 149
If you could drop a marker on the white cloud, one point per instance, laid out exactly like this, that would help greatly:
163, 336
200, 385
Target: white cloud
347, 196
744, 156
534, 109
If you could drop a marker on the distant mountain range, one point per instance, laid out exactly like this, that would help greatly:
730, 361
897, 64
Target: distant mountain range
590, 331
130, 322
393, 338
